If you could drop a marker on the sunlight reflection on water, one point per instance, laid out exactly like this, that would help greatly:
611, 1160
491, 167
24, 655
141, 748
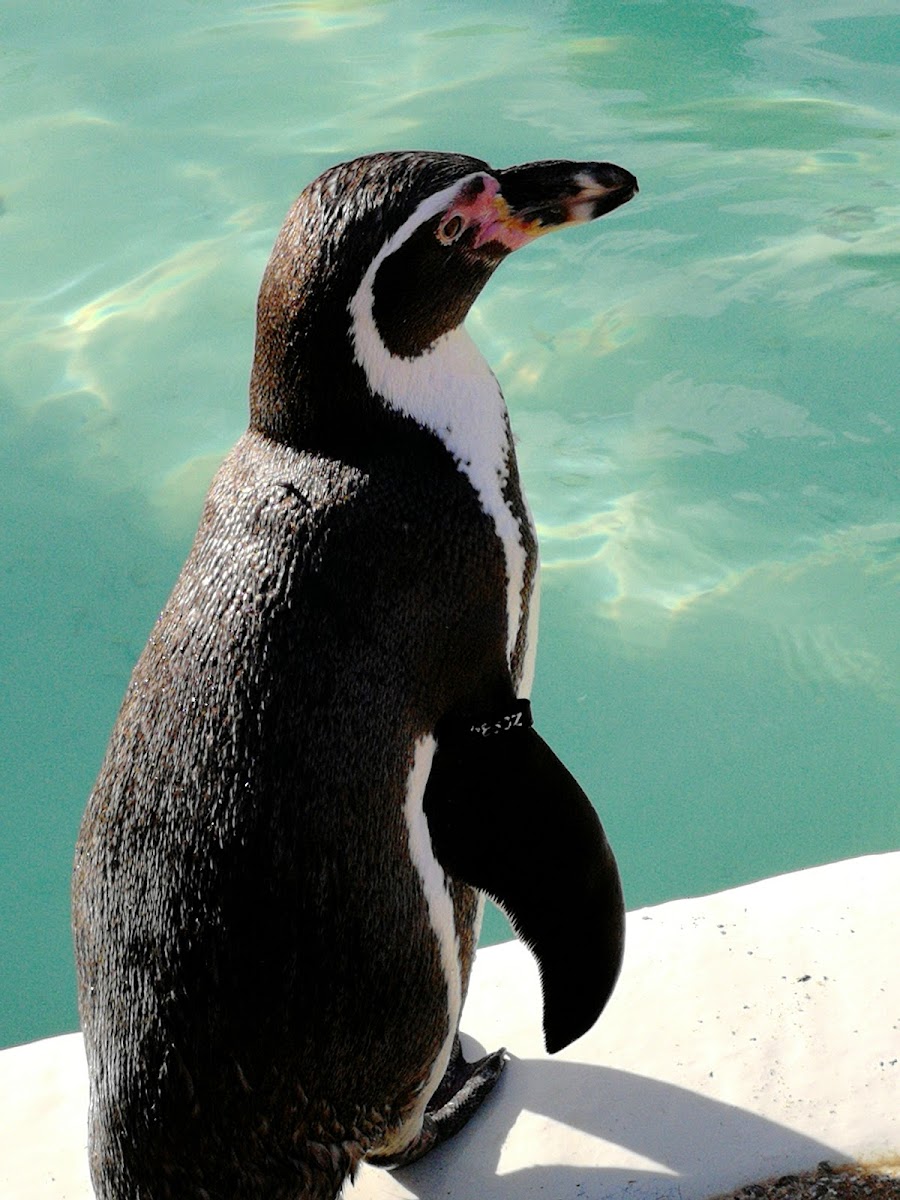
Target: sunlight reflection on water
703, 387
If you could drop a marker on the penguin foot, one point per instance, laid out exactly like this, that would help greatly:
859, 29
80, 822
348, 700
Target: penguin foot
464, 1086
458, 1097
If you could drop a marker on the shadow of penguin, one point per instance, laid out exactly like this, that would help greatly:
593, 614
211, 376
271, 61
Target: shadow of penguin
670, 1142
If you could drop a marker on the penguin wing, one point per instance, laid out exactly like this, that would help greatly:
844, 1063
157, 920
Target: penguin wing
506, 817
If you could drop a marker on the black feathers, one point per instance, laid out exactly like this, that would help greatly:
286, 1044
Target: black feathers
507, 817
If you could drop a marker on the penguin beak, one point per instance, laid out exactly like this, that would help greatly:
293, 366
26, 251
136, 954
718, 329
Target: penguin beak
535, 198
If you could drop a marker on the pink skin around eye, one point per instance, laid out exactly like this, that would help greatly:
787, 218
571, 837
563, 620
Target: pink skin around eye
493, 221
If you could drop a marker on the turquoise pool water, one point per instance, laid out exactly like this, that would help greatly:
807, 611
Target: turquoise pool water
704, 387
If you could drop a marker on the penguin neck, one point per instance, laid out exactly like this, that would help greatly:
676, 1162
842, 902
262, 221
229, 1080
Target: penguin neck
451, 391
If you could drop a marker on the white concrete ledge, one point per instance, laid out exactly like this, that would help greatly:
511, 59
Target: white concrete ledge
753, 1033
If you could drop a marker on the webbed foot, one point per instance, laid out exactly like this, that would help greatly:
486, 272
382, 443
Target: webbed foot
458, 1097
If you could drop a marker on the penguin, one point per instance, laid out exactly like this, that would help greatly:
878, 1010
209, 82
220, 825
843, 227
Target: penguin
326, 757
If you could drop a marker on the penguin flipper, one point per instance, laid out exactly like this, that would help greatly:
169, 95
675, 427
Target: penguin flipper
507, 817
459, 1095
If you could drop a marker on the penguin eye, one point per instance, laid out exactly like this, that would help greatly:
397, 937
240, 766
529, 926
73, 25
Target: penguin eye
451, 229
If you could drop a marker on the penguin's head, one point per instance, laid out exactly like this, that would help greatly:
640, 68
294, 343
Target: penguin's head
384, 256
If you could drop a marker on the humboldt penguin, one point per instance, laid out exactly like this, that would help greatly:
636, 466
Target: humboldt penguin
325, 757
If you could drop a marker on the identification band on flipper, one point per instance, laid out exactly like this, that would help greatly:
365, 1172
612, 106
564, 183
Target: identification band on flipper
513, 717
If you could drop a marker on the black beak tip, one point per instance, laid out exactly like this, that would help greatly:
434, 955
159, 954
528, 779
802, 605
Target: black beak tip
617, 179
621, 186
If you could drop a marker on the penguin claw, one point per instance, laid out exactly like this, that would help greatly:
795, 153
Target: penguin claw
458, 1097
464, 1086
